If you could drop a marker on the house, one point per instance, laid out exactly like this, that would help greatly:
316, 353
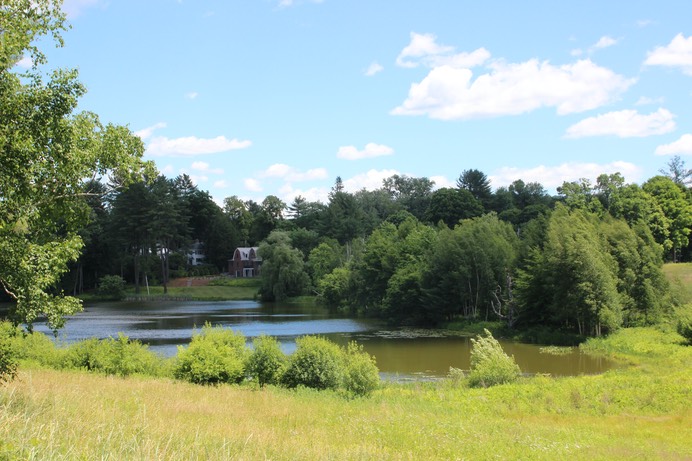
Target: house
245, 262
195, 255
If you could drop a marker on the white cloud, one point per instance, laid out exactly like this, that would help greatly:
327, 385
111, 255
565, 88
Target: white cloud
624, 124
678, 53
449, 93
371, 150
146, 133
442, 182
288, 173
552, 177
423, 49
221, 184
252, 185
204, 167
186, 146
192, 145
576, 52
644, 22
25, 63
168, 170
645, 101
604, 42
315, 194
681, 146
373, 68
370, 180
191, 95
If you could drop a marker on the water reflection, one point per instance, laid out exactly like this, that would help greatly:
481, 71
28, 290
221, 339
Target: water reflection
399, 352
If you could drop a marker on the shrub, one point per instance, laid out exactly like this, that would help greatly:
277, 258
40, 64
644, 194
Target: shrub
8, 361
121, 357
489, 363
112, 287
684, 324
361, 375
267, 361
316, 363
214, 356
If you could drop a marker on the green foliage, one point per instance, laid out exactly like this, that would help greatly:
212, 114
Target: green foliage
283, 271
334, 288
236, 282
361, 376
267, 361
684, 323
489, 363
112, 287
48, 153
8, 360
316, 363
120, 357
215, 355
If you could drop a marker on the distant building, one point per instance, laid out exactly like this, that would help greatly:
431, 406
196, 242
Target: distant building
195, 255
245, 262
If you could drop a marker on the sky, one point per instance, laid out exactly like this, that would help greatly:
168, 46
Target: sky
279, 97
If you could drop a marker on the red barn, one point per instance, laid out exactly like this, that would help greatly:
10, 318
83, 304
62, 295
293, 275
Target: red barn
245, 262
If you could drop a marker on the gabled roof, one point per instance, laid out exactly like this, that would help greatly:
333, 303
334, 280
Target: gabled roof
245, 253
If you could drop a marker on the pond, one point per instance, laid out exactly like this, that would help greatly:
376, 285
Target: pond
401, 353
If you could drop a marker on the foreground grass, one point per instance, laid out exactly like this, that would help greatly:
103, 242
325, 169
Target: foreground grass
640, 412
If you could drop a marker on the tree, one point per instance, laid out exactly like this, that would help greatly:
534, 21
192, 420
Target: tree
47, 154
452, 205
677, 171
671, 198
478, 184
412, 194
283, 271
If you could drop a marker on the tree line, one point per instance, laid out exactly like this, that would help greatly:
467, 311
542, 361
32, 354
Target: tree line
587, 260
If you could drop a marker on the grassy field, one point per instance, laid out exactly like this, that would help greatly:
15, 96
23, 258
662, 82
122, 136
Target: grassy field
639, 412
208, 292
680, 275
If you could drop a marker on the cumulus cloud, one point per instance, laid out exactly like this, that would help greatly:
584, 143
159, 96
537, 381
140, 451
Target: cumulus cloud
162, 146
191, 95
291, 174
371, 180
288, 193
624, 124
25, 63
449, 93
682, 146
371, 150
442, 182
678, 53
204, 167
552, 177
373, 68
252, 185
221, 184
424, 49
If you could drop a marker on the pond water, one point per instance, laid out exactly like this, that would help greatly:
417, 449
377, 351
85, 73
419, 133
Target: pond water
401, 353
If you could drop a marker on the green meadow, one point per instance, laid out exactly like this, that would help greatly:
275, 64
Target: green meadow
640, 411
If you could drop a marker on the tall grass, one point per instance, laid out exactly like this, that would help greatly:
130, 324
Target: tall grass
638, 412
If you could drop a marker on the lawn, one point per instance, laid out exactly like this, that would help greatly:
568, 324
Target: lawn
207, 292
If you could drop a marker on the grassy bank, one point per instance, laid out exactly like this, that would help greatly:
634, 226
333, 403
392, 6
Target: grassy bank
640, 412
200, 293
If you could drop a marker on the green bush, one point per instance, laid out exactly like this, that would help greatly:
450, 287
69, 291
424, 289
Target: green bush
112, 287
214, 356
361, 376
489, 363
267, 361
684, 324
121, 357
8, 361
316, 363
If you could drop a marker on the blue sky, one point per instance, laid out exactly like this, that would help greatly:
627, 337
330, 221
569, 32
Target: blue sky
260, 97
